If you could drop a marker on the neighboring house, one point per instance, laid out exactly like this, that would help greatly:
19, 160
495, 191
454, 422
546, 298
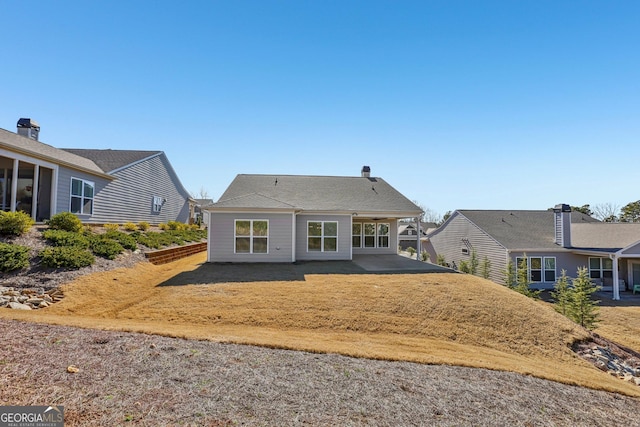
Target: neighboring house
553, 241
200, 215
288, 218
100, 186
408, 233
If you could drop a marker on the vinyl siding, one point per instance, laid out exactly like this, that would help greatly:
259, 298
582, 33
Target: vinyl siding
448, 241
564, 261
633, 250
222, 237
344, 238
393, 239
63, 203
129, 197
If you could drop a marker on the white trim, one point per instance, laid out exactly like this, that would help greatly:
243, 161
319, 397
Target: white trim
323, 236
82, 197
293, 237
54, 191
34, 191
250, 236
376, 235
14, 184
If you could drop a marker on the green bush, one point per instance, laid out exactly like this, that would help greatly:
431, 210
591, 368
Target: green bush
127, 241
13, 257
15, 223
111, 227
105, 247
66, 238
143, 225
66, 257
65, 221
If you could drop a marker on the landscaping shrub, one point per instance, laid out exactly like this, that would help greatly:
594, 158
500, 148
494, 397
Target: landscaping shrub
66, 257
13, 257
175, 225
143, 225
163, 226
424, 256
127, 241
129, 226
66, 238
15, 223
65, 221
105, 247
111, 227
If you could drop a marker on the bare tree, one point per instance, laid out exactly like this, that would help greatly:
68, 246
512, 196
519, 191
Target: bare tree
607, 212
202, 194
428, 215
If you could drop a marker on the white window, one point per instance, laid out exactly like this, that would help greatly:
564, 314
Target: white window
252, 236
356, 235
322, 236
376, 235
600, 268
539, 269
81, 196
157, 203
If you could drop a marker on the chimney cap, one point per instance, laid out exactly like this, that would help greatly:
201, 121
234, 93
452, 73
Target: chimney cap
562, 208
28, 123
366, 171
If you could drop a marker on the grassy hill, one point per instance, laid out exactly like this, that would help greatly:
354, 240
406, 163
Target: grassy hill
429, 318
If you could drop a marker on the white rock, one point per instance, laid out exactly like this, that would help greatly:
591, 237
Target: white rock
18, 306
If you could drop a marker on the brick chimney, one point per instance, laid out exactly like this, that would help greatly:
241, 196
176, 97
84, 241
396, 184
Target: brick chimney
29, 128
366, 172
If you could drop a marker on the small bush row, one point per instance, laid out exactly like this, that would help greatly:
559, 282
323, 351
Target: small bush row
15, 223
13, 257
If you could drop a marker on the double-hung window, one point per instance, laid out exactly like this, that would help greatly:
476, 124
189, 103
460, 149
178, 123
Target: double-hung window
539, 269
600, 268
374, 235
157, 203
81, 196
252, 236
322, 236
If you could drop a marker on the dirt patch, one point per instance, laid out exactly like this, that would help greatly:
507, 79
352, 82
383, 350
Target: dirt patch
137, 379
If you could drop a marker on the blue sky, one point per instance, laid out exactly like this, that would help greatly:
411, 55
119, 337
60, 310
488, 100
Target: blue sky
457, 104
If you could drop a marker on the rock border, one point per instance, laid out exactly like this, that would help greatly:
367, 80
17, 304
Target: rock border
28, 299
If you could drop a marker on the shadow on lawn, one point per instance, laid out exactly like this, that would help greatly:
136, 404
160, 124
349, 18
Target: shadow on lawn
212, 273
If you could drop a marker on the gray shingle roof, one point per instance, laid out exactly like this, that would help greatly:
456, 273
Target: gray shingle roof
316, 193
608, 236
521, 229
18, 143
109, 160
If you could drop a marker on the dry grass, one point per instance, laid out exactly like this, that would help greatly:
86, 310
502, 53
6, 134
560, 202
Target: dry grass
428, 318
149, 380
621, 324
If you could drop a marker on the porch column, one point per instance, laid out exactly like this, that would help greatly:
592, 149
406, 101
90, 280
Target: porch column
14, 184
616, 290
418, 244
54, 191
34, 191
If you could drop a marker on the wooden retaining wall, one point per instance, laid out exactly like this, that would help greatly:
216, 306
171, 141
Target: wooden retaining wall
163, 256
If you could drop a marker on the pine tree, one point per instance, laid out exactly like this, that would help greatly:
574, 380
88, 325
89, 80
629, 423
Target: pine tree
562, 294
473, 262
522, 280
510, 275
582, 308
485, 268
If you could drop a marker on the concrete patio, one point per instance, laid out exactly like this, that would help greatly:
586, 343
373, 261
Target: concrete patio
396, 264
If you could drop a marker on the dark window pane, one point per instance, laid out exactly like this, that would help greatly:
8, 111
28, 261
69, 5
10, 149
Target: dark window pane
536, 263
315, 244
369, 241
331, 229
383, 242
260, 228
594, 274
607, 264
243, 245
76, 187
607, 274
383, 229
88, 190
536, 276
330, 244
549, 276
369, 229
356, 241
259, 245
315, 229
594, 263
76, 205
356, 229
88, 206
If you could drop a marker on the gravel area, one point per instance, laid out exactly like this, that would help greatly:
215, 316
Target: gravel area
137, 379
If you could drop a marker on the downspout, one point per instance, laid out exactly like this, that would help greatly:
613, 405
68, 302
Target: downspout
616, 286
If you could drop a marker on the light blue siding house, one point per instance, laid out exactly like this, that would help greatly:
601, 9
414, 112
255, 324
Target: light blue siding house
100, 186
289, 218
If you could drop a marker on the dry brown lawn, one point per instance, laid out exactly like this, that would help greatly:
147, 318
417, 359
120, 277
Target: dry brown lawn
429, 318
621, 323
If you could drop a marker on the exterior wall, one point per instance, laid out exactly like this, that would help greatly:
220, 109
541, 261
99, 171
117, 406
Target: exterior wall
129, 197
63, 201
222, 237
448, 242
344, 238
564, 261
393, 239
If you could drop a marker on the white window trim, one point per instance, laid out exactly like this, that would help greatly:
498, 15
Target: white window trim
322, 235
601, 269
158, 202
82, 197
542, 268
358, 235
375, 236
250, 236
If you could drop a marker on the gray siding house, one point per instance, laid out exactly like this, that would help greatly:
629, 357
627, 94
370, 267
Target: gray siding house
289, 218
552, 240
100, 186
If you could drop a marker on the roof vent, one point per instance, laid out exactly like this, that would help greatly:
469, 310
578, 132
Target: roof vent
28, 128
366, 172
